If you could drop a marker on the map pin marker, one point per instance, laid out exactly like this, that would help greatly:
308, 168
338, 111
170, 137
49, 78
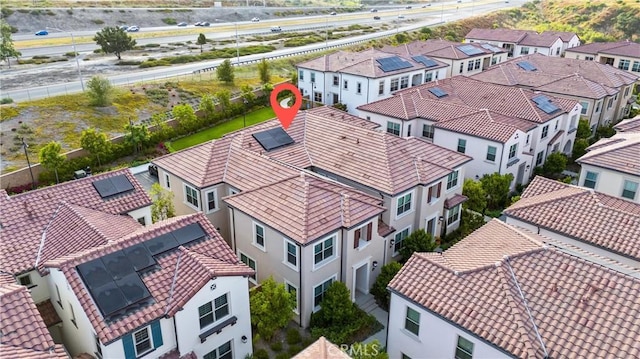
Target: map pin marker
286, 114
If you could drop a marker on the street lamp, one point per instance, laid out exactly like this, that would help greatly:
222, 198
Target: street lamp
75, 53
25, 146
244, 115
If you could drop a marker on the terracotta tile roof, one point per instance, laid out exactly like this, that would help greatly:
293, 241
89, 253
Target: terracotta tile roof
24, 333
455, 200
629, 125
580, 309
322, 349
436, 48
384, 229
545, 39
48, 313
410, 105
560, 75
620, 48
595, 218
6, 278
501, 35
565, 36
25, 217
619, 153
192, 266
487, 124
175, 354
306, 207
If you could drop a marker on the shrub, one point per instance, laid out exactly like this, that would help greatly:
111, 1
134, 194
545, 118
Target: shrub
379, 289
260, 354
6, 100
276, 347
97, 21
169, 21
555, 164
293, 336
418, 241
294, 349
5, 11
283, 356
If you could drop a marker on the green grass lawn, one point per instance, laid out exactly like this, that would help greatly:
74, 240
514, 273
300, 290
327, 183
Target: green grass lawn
220, 130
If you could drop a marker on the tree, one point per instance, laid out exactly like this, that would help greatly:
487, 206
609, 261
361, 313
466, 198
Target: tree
224, 99
247, 93
477, 196
114, 40
225, 72
136, 136
579, 148
266, 91
7, 50
96, 143
294, 79
373, 350
202, 40
207, 107
271, 307
162, 207
99, 90
584, 131
418, 241
496, 186
50, 157
379, 289
337, 309
263, 71
185, 116
401, 38
628, 23
555, 164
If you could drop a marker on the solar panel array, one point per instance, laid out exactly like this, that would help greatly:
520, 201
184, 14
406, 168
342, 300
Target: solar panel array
470, 50
526, 65
438, 92
425, 61
112, 186
114, 279
273, 138
393, 63
492, 48
544, 103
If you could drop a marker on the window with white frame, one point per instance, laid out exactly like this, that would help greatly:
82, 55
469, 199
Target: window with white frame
324, 251
362, 235
454, 215
428, 77
291, 254
494, 60
191, 196
25, 280
403, 204
476, 65
461, 67
598, 106
213, 311
513, 150
470, 65
251, 263
167, 181
590, 180
636, 66
142, 341
381, 88
524, 51
545, 131
539, 158
589, 58
452, 180
393, 128
317, 96
464, 349
491, 153
528, 135
412, 321
626, 91
336, 80
319, 291
345, 84
462, 145
585, 107
624, 64
610, 103
301, 75
394, 84
427, 131
258, 235
294, 291
359, 88
630, 189
398, 240
433, 193
556, 126
211, 200
222, 352
313, 77
574, 122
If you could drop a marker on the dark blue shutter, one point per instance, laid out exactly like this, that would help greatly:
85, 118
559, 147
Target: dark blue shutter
129, 350
156, 332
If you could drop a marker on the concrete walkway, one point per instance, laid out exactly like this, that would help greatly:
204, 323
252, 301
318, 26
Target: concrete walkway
367, 303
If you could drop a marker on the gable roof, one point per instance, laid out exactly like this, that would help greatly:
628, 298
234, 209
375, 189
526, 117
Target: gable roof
576, 306
185, 270
24, 334
501, 35
437, 48
545, 39
306, 207
595, 218
25, 217
619, 153
619, 48
322, 349
628, 125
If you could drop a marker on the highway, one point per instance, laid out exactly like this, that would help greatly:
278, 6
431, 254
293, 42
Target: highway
448, 12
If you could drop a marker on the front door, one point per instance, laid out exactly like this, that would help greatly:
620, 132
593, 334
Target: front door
520, 173
361, 279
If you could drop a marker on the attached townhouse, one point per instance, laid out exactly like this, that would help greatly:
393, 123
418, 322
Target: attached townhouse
581, 218
356, 78
605, 93
624, 55
307, 232
612, 165
170, 290
462, 59
505, 129
524, 42
24, 333
502, 293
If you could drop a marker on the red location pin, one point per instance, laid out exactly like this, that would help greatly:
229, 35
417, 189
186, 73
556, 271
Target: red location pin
286, 114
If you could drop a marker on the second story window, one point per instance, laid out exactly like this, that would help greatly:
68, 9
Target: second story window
394, 84
258, 235
491, 153
427, 131
590, 180
585, 107
313, 77
212, 201
359, 88
545, 132
381, 88
464, 349
323, 251
630, 189
301, 75
404, 82
142, 341
470, 65
191, 196
412, 321
434, 192
291, 253
513, 150
624, 64
452, 180
462, 145
461, 67
345, 84
524, 51
336, 81
362, 235
404, 204
393, 128
213, 311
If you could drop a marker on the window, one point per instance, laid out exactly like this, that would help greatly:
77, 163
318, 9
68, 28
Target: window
513, 150
358, 88
477, 64
345, 84
313, 77
598, 105
98, 346
404, 82
251, 263
393, 128
301, 75
412, 321
293, 290
434, 192
539, 158
430, 228
610, 103
142, 220
336, 81
626, 91
291, 253
323, 251
491, 153
142, 341
317, 96
258, 235
470, 65
585, 107
464, 349
590, 180
25, 280
454, 214
222, 352
524, 51
589, 58
636, 66
59, 298
528, 135
394, 84
398, 240
213, 311
545, 132
462, 145
427, 131
557, 123
494, 60
409, 130
191, 196
212, 200
452, 180
630, 189
362, 235
574, 122
318, 292
557, 51
624, 64
461, 67
428, 77
404, 204
73, 316
381, 88
167, 182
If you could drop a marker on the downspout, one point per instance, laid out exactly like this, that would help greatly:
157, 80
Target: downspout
343, 279
501, 157
300, 287
233, 228
175, 332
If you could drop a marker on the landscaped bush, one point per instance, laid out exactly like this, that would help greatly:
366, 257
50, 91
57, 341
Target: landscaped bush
260, 354
379, 289
283, 356
169, 21
276, 347
294, 349
293, 336
6, 100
